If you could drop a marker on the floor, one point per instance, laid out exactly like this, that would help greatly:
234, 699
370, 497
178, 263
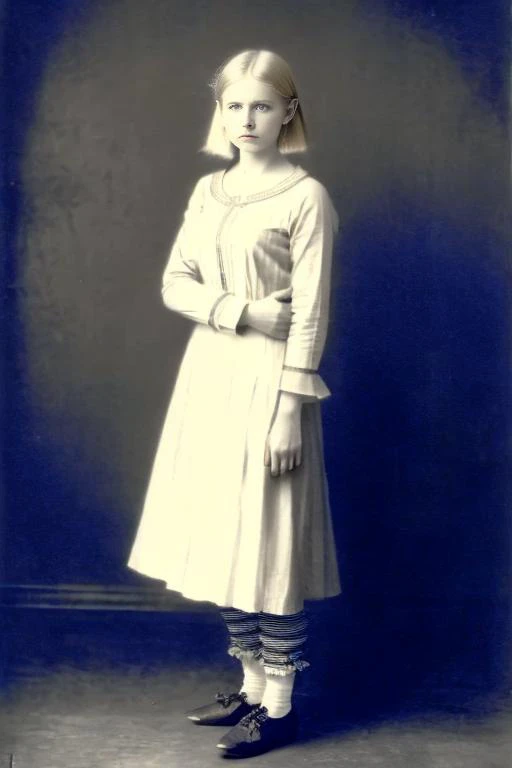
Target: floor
84, 689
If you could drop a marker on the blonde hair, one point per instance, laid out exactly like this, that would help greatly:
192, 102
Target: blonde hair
271, 69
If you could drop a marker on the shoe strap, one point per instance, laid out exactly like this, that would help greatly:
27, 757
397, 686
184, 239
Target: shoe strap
255, 717
228, 699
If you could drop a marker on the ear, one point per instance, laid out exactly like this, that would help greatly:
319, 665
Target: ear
291, 109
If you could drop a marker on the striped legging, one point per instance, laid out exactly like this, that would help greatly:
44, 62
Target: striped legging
276, 641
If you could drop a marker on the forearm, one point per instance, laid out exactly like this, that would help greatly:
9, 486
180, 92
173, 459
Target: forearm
201, 303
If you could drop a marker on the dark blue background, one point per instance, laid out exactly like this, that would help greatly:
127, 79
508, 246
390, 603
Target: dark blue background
417, 433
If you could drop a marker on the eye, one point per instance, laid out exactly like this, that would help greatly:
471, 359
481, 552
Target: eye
234, 106
262, 107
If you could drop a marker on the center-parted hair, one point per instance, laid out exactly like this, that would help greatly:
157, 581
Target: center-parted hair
272, 69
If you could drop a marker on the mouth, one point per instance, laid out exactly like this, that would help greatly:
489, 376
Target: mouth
248, 136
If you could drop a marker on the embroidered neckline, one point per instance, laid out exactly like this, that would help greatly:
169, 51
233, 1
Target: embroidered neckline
217, 188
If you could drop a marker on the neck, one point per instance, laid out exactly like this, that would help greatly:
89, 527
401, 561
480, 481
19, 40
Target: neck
249, 163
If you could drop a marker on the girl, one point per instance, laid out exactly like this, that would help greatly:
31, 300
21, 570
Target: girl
237, 509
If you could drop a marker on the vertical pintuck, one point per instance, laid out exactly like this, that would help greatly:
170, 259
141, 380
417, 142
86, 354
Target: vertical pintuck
218, 247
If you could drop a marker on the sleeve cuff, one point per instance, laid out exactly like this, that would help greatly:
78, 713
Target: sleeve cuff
309, 384
226, 313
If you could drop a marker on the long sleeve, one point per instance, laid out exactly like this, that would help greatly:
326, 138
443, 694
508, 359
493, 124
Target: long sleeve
182, 288
311, 246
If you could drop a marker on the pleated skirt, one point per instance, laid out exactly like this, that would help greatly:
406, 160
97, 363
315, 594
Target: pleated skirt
215, 525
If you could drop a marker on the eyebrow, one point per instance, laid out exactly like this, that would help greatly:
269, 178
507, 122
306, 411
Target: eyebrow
258, 101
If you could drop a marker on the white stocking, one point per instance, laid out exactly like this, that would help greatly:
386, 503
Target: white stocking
277, 697
254, 680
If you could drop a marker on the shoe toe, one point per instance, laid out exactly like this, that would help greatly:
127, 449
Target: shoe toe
239, 741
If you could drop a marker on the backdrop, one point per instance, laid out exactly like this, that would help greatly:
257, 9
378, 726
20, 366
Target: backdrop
108, 104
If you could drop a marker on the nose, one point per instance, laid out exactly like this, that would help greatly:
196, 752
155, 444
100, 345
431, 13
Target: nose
248, 119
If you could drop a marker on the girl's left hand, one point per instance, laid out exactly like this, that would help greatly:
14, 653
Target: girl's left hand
283, 448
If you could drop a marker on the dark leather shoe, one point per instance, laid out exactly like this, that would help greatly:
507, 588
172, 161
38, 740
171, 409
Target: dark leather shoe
257, 733
225, 710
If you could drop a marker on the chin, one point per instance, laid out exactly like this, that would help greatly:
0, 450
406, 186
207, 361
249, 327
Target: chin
250, 145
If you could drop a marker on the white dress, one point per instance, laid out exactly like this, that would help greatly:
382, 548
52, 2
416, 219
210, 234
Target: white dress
215, 525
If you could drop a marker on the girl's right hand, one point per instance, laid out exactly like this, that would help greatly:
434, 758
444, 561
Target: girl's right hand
271, 315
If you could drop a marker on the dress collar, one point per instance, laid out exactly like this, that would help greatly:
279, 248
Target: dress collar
217, 188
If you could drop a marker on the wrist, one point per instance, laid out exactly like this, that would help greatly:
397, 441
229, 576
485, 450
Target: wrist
289, 403
245, 317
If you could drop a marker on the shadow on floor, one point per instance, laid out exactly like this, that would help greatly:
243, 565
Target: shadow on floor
110, 688
365, 664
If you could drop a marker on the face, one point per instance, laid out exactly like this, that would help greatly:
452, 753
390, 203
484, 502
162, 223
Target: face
253, 114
